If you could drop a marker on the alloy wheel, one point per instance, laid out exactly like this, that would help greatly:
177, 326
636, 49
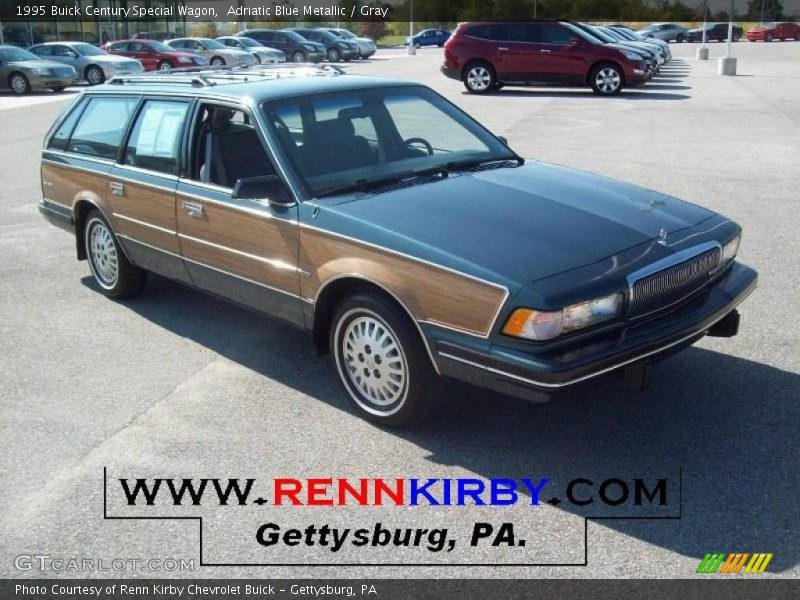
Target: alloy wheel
94, 76
19, 85
608, 80
479, 78
165, 66
103, 258
372, 363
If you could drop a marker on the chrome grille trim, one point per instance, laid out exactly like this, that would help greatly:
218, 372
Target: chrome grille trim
672, 279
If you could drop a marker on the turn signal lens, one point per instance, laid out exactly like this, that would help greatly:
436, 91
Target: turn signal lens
545, 325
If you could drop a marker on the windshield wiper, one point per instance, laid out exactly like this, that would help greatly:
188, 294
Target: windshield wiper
362, 185
471, 163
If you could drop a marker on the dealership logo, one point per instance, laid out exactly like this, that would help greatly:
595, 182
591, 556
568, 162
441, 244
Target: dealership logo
721, 563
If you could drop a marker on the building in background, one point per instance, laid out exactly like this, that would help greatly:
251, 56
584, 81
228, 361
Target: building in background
95, 30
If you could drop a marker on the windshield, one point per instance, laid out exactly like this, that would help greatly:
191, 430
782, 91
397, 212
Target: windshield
159, 47
87, 50
295, 37
601, 35
355, 138
345, 34
586, 36
213, 44
16, 54
249, 42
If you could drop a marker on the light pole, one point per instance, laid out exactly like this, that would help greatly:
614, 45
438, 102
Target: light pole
727, 64
702, 51
411, 48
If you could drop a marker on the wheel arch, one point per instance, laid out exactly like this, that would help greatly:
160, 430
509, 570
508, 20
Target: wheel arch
80, 210
334, 290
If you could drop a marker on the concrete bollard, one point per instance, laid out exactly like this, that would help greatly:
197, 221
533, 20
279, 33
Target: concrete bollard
702, 54
412, 49
726, 66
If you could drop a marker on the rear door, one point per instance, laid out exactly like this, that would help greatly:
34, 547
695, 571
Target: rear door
142, 183
245, 250
142, 53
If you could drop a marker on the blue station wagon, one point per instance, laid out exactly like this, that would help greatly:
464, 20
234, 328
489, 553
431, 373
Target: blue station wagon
407, 239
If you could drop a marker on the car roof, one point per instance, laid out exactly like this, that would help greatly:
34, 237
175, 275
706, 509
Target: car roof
254, 84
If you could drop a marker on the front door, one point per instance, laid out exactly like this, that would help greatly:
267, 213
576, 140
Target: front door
245, 250
141, 187
561, 57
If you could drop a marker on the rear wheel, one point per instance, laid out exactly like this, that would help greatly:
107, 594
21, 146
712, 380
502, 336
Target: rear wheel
334, 55
217, 61
95, 75
606, 80
479, 78
797, 37
19, 84
680, 38
116, 276
298, 57
768, 37
381, 361
164, 65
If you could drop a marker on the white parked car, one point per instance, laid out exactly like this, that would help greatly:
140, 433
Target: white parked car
263, 54
92, 64
366, 46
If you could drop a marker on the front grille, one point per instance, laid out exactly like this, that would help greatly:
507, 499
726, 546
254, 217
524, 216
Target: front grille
62, 72
659, 290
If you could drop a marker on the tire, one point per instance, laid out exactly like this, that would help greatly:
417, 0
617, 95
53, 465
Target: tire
164, 65
299, 57
381, 361
94, 75
217, 61
334, 55
19, 84
417, 45
479, 78
768, 37
258, 59
736, 37
113, 273
797, 37
606, 80
680, 38
58, 89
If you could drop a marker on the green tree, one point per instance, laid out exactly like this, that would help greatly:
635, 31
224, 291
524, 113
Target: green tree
772, 10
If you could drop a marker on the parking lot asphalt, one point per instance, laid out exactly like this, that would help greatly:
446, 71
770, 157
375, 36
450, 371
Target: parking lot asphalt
177, 383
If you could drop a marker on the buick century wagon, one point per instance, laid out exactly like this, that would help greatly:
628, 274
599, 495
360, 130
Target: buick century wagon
407, 239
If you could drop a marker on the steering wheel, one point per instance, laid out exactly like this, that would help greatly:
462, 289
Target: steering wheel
418, 140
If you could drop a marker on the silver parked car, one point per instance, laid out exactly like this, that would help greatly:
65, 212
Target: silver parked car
92, 64
366, 46
24, 72
216, 53
668, 32
263, 54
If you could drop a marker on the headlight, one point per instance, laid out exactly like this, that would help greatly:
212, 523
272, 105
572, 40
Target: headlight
730, 249
543, 325
631, 55
309, 48
184, 59
41, 71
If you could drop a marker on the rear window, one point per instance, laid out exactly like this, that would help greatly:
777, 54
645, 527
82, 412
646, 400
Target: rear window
101, 127
60, 138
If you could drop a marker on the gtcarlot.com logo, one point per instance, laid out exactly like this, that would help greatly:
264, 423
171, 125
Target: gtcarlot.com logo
722, 563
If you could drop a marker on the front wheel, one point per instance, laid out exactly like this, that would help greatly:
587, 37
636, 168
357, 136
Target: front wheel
217, 61
479, 78
606, 80
381, 360
680, 38
19, 84
334, 55
95, 75
298, 57
164, 65
116, 276
768, 37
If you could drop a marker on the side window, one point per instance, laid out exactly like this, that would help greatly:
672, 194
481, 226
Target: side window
227, 148
61, 51
556, 34
60, 138
101, 127
155, 140
42, 50
177, 44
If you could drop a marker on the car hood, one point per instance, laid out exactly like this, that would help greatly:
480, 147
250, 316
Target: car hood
525, 223
39, 64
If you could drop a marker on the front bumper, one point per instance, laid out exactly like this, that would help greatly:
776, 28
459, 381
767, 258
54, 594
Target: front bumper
538, 376
39, 82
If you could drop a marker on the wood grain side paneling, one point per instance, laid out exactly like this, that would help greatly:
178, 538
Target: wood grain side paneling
64, 184
430, 293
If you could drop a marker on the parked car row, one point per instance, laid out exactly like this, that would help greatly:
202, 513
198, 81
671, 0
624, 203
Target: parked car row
304, 44
485, 56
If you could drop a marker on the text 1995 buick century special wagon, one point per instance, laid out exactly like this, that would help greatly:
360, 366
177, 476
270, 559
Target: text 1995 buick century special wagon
405, 237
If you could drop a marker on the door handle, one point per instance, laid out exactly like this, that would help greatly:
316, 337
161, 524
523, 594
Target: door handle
194, 209
502, 49
117, 188
544, 51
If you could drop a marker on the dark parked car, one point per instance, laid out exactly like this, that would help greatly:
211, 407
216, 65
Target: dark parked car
714, 32
647, 55
485, 56
154, 55
429, 37
785, 30
423, 245
336, 48
294, 46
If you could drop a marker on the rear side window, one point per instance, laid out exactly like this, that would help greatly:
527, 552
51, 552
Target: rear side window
156, 136
60, 138
101, 127
555, 34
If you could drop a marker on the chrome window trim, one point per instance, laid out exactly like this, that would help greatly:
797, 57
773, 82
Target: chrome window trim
78, 156
272, 262
498, 286
601, 371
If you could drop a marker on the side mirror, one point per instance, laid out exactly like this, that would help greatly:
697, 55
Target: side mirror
267, 187
503, 139
574, 42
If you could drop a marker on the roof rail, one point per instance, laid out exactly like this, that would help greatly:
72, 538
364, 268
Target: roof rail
210, 76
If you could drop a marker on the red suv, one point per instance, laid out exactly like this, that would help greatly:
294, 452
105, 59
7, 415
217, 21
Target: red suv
154, 55
485, 56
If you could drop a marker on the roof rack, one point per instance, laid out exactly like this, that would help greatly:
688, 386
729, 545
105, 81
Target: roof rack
211, 76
